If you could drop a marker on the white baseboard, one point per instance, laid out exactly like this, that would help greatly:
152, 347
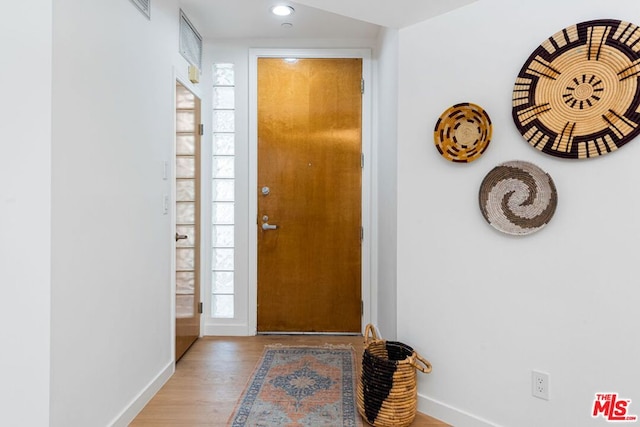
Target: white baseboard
449, 414
139, 402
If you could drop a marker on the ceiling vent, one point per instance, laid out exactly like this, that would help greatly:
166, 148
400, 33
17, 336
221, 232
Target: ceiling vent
190, 42
144, 6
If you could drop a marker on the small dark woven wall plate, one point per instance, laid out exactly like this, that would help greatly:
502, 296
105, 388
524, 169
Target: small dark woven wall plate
518, 198
463, 132
578, 94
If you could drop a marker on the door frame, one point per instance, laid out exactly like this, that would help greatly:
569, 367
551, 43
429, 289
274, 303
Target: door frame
369, 314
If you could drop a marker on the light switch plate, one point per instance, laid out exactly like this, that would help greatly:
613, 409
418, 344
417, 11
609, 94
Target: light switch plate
165, 204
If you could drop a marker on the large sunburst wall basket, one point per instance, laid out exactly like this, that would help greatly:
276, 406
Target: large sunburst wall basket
463, 132
578, 94
518, 198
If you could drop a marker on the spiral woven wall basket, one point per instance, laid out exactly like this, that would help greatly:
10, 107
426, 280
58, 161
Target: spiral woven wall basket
387, 390
578, 94
462, 133
518, 198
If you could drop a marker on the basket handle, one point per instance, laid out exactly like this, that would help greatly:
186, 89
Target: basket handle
370, 330
427, 366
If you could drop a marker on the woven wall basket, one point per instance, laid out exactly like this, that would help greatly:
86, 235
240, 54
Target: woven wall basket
518, 198
578, 94
387, 390
462, 133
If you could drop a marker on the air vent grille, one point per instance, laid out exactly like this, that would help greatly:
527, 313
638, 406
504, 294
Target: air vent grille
190, 42
144, 6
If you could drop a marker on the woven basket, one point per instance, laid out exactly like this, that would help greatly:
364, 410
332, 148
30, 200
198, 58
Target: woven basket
577, 96
387, 390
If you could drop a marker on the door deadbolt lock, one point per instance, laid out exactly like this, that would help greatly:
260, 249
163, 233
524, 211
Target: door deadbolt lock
265, 191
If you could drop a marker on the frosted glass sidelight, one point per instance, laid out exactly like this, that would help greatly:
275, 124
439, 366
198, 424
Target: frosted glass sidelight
222, 259
184, 99
185, 144
223, 121
223, 213
185, 306
223, 190
223, 75
188, 230
185, 190
185, 121
223, 236
222, 306
223, 166
223, 98
185, 167
185, 259
185, 213
185, 282
224, 144
223, 282
185, 174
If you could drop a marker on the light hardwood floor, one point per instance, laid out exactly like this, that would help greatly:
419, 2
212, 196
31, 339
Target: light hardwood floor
210, 378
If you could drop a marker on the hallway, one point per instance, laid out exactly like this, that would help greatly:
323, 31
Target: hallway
211, 376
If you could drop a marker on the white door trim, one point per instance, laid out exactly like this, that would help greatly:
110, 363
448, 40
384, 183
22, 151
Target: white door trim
367, 149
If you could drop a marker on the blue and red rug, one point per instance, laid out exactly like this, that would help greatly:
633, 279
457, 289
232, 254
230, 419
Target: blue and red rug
300, 386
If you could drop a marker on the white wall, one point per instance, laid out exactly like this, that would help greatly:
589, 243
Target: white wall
487, 308
25, 213
386, 182
113, 115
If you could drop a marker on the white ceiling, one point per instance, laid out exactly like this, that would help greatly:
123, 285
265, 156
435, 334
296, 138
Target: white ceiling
312, 18
388, 13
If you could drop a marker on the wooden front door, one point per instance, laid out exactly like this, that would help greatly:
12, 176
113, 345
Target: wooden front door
187, 226
309, 195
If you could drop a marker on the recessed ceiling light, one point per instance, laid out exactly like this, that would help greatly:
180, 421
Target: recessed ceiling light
282, 10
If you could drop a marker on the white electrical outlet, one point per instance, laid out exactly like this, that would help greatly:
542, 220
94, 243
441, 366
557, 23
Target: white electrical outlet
540, 385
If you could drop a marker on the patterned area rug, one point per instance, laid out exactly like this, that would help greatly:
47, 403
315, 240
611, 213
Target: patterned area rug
300, 386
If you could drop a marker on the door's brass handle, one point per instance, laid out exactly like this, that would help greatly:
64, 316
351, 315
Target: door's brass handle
181, 237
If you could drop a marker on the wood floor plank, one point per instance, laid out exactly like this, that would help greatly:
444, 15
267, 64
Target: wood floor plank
212, 375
